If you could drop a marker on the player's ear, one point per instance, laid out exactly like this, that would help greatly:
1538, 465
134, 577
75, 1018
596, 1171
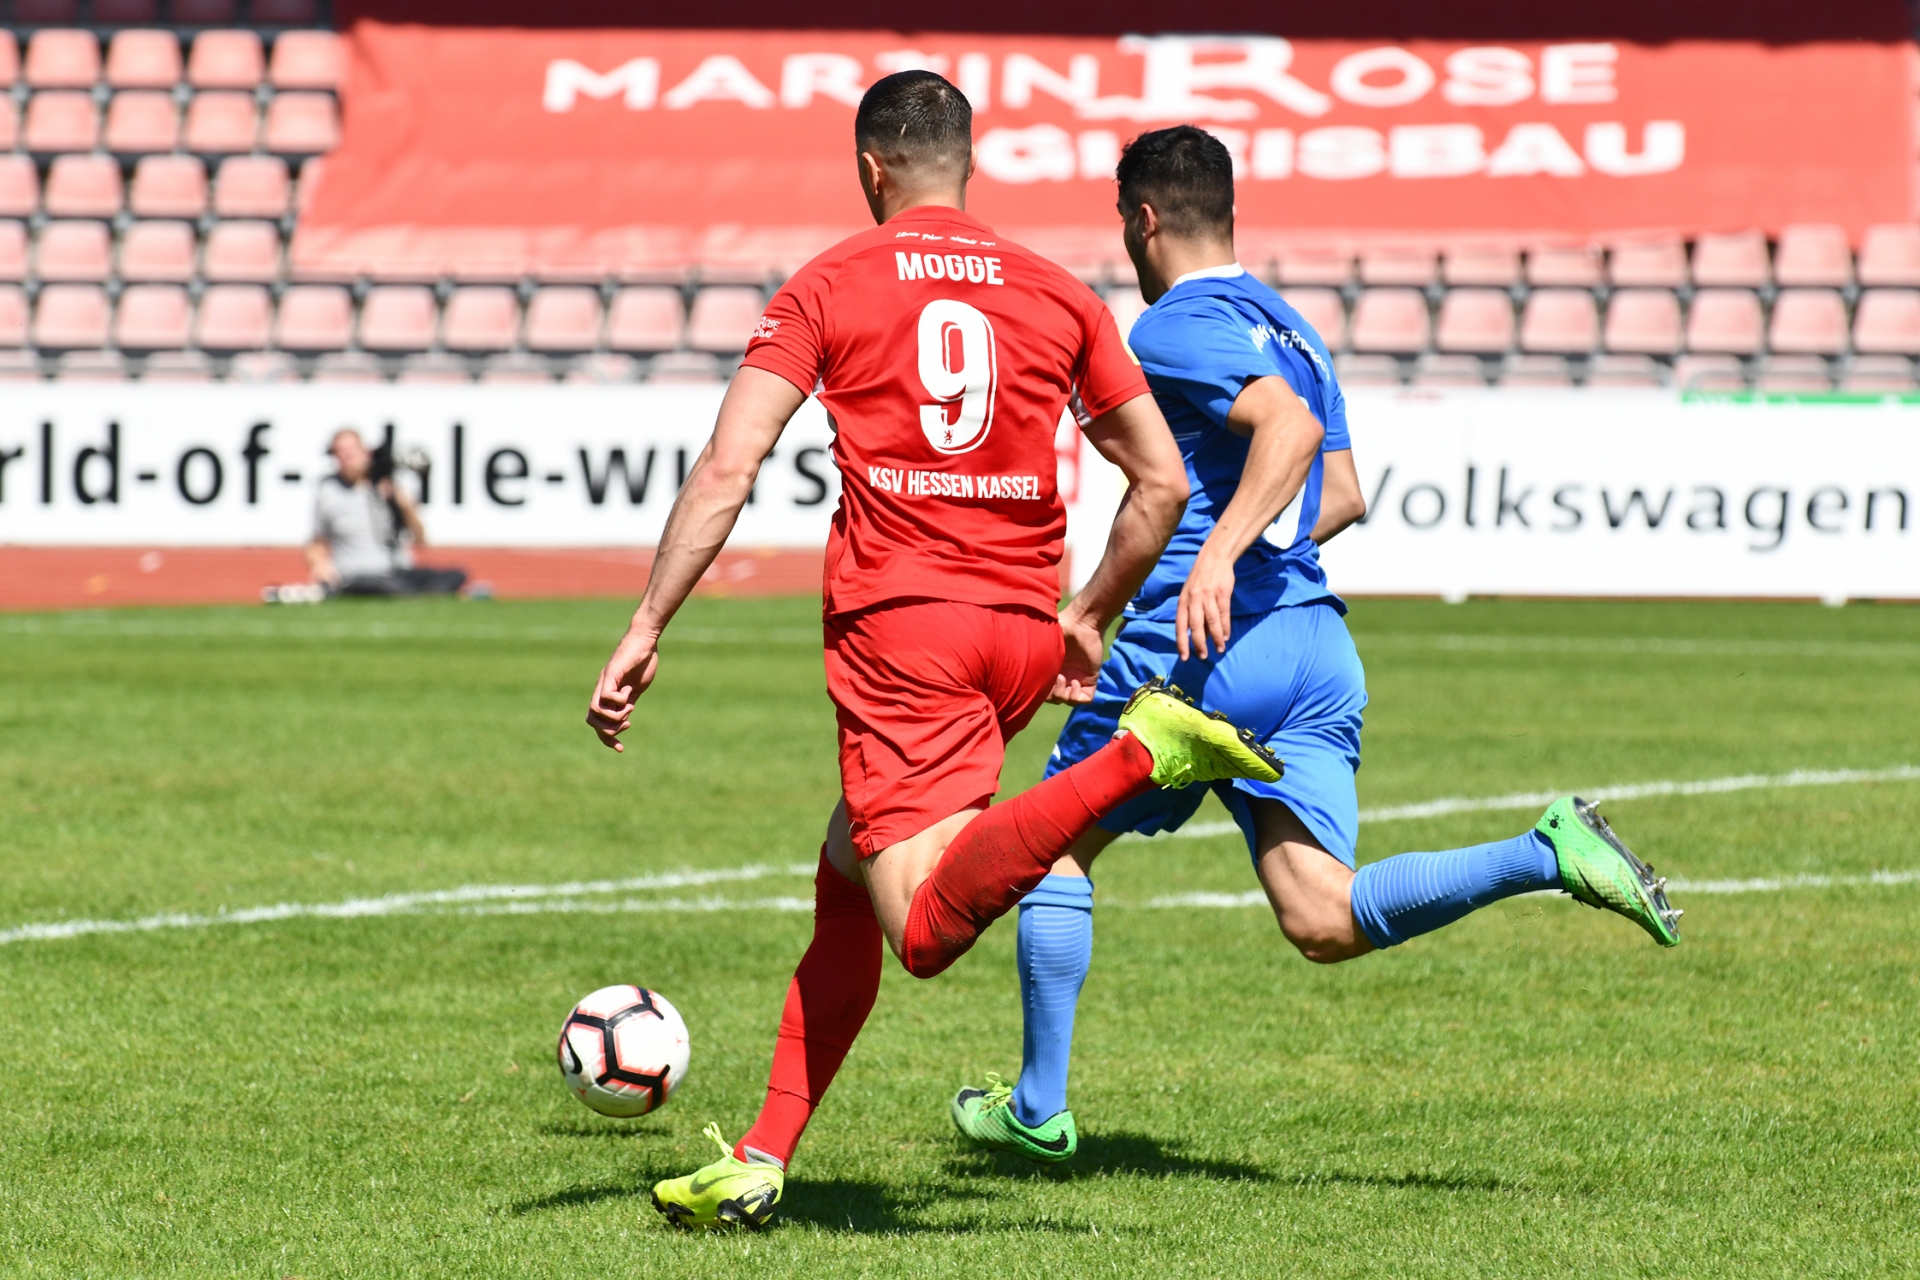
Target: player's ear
973, 161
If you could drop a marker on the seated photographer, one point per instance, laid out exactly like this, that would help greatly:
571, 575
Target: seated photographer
365, 528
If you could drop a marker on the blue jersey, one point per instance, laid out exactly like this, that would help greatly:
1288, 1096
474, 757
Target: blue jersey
1199, 345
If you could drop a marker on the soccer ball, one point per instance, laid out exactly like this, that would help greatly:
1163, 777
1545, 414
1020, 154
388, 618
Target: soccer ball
623, 1051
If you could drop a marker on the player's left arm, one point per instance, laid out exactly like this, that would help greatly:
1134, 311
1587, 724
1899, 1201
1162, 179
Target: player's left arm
1341, 501
755, 411
1286, 438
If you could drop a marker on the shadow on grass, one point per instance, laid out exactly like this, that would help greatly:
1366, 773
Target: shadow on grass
602, 1132
867, 1208
576, 1196
1111, 1153
1408, 1181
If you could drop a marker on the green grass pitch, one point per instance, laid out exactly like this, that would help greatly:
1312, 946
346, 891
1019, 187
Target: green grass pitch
1537, 1091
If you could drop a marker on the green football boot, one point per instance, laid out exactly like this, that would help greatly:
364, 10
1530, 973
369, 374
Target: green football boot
1189, 745
727, 1193
1597, 869
985, 1116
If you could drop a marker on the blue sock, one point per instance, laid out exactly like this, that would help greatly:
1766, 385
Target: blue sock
1056, 948
1414, 893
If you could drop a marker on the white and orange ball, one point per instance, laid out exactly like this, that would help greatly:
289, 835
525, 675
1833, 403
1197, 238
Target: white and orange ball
623, 1051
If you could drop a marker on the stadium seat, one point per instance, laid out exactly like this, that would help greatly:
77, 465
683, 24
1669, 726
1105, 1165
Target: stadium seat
13, 316
168, 187
1560, 320
1306, 265
435, 367
480, 318
1885, 374
141, 122
1644, 321
1811, 254
143, 60
1658, 264
70, 316
9, 124
1793, 373
1361, 370
1626, 371
1887, 322
602, 368
1321, 308
1440, 371
305, 60
1492, 265
1390, 320
1725, 321
723, 317
201, 12
348, 366
177, 366
1808, 321
397, 317
564, 318
517, 368
1709, 373
9, 60
1738, 260
1559, 266
74, 251
1536, 371
222, 122
283, 12
62, 59
1397, 264
646, 318
13, 251
234, 317
226, 60
91, 366
61, 120
1890, 255
1126, 306
152, 317
314, 317
154, 252
242, 253
1476, 320
263, 366
252, 187
83, 187
695, 367
302, 124
19, 187
112, 11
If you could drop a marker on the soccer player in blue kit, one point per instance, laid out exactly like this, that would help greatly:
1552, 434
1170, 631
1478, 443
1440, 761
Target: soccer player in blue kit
1238, 614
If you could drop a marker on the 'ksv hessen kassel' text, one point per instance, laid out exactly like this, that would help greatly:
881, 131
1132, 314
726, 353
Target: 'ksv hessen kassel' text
955, 485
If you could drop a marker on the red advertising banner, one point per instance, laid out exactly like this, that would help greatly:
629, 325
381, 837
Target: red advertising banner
497, 152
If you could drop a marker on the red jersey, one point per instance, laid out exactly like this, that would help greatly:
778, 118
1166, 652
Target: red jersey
944, 356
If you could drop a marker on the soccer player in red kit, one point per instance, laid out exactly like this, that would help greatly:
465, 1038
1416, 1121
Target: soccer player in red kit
945, 357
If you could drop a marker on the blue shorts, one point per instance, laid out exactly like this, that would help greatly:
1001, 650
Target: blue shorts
1292, 676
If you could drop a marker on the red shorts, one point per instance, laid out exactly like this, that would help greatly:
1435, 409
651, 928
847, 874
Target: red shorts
928, 692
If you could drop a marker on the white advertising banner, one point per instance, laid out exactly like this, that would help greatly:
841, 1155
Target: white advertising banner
1496, 492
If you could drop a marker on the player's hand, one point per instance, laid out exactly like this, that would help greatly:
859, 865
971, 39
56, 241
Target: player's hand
1080, 668
1206, 607
626, 676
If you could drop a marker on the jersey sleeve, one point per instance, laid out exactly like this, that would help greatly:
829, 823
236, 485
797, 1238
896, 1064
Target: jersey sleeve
1109, 376
1337, 437
790, 338
1206, 352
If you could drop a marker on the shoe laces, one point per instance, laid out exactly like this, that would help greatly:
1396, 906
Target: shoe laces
999, 1093
713, 1131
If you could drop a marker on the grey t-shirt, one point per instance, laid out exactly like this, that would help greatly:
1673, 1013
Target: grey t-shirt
359, 529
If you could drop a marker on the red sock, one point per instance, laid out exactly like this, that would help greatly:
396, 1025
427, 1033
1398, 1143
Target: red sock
999, 857
827, 1003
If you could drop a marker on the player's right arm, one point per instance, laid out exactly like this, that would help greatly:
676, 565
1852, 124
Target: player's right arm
755, 411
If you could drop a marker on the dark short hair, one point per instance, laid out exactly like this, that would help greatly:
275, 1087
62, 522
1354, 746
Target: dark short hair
915, 118
1185, 174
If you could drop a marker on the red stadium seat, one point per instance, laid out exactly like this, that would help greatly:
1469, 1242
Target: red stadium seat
1437, 371
13, 316
243, 253
314, 317
1391, 264
1809, 321
59, 59
91, 366
49, 12
1321, 308
1644, 321
1358, 370
222, 122
234, 317
694, 367
306, 60
1887, 322
1814, 255
1794, 373
348, 366
201, 12
1560, 266
83, 187
141, 122
1476, 320
1536, 371
603, 368
1648, 263
1725, 321
169, 187
1390, 320
70, 316
480, 318
1297, 266
9, 124
143, 60
302, 124
1890, 255
434, 368
226, 60
517, 368
646, 318
9, 60
252, 187
397, 317
157, 251
152, 317
1626, 371
290, 13
1495, 265
113, 11
1709, 373
61, 120
13, 251
1738, 260
263, 366
564, 318
1883, 374
74, 251
723, 317
19, 187
1560, 320
177, 366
